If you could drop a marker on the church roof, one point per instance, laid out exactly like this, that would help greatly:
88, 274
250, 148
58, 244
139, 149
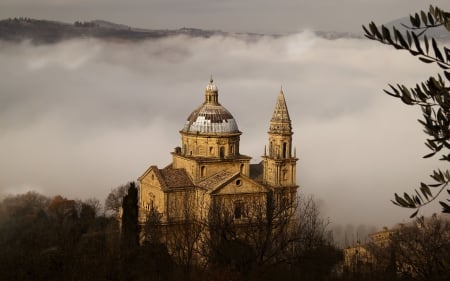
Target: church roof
175, 178
216, 180
211, 117
169, 178
280, 122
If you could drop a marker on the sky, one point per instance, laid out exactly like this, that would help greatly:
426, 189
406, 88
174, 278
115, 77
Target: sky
81, 117
263, 16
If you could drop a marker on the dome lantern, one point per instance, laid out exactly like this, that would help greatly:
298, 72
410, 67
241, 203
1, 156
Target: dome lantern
211, 93
211, 117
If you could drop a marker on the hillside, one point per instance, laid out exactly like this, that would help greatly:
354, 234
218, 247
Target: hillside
45, 31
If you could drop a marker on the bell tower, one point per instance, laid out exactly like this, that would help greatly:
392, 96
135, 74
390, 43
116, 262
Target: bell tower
280, 163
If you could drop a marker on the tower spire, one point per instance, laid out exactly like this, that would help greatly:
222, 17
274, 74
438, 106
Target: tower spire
279, 165
280, 122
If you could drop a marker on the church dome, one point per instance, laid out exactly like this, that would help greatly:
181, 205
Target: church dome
211, 117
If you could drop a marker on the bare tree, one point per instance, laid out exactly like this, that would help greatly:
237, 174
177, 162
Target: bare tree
266, 234
310, 228
183, 230
113, 201
422, 249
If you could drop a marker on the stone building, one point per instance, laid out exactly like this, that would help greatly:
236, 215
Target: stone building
371, 256
208, 169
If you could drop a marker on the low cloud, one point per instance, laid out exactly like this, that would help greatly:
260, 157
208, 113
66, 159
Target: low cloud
81, 117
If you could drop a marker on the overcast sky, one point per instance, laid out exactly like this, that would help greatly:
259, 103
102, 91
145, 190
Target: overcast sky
81, 117
266, 16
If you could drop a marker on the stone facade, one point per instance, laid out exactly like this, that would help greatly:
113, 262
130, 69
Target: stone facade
208, 167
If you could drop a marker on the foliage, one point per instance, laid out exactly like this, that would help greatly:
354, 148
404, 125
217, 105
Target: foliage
130, 227
129, 234
433, 96
65, 239
55, 239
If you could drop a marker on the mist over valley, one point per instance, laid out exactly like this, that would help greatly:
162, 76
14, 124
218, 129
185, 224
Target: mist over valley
81, 116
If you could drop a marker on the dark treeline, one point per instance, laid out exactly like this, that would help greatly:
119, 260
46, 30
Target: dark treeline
57, 238
44, 238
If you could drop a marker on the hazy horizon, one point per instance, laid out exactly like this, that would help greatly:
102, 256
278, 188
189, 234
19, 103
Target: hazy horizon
268, 16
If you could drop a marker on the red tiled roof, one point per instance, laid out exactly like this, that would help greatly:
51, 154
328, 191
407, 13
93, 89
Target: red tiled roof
213, 181
175, 178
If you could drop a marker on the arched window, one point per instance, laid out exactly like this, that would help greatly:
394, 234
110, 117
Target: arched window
202, 171
222, 152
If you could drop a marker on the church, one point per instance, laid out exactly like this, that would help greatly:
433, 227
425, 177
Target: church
208, 169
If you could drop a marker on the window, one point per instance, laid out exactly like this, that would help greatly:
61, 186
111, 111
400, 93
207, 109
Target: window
284, 149
202, 171
222, 152
238, 182
238, 210
151, 201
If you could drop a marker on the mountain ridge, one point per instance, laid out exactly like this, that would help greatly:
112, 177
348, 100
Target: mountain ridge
46, 31
41, 31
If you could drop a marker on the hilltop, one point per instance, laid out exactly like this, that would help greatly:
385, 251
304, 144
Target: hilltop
46, 31
41, 31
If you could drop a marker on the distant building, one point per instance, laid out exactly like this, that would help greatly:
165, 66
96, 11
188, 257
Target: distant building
382, 238
358, 258
208, 169
365, 257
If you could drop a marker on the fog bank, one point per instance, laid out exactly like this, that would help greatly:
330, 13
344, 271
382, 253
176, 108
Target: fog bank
81, 117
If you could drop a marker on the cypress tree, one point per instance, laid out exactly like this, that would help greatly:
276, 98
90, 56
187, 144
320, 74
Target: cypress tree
129, 239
